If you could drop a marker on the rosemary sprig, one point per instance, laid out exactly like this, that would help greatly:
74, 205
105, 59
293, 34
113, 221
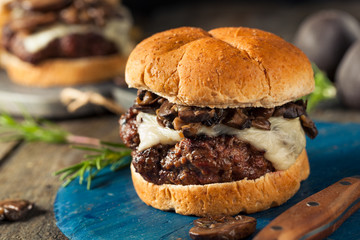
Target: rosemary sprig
107, 154
30, 130
103, 154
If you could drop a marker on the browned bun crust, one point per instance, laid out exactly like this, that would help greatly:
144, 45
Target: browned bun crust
247, 196
225, 67
63, 72
4, 18
4, 12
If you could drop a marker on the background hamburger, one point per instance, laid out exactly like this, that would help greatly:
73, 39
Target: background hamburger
4, 16
65, 42
217, 127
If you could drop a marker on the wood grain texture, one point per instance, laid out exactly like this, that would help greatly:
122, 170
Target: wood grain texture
6, 148
27, 174
317, 216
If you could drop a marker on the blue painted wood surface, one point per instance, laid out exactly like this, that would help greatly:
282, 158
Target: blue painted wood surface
112, 210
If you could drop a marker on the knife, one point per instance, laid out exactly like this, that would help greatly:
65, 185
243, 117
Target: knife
317, 216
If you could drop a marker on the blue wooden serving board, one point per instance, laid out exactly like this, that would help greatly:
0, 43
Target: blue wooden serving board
112, 210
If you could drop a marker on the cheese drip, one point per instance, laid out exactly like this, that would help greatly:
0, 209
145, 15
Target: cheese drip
116, 30
151, 133
282, 144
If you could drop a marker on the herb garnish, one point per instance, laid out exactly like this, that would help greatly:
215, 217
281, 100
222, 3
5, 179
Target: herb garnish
30, 130
107, 154
103, 154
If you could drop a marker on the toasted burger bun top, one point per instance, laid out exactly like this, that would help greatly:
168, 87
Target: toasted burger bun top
225, 67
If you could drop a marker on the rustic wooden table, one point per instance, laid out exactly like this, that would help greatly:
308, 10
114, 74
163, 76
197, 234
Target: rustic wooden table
26, 172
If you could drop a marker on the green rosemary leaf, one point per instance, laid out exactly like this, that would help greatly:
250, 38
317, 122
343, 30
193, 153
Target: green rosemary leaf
68, 169
98, 163
65, 175
114, 155
125, 161
89, 178
91, 149
95, 173
82, 172
30, 130
111, 144
70, 179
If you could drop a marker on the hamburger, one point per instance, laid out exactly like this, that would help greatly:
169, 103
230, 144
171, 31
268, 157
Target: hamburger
218, 126
65, 42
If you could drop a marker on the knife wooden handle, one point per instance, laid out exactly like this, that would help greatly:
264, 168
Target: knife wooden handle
318, 215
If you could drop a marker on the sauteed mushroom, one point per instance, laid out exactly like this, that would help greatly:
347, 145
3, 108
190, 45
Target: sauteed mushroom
14, 210
194, 114
189, 119
238, 120
223, 227
190, 130
32, 21
262, 112
291, 110
309, 126
261, 123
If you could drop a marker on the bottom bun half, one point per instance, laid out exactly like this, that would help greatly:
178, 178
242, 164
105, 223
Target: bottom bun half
248, 196
63, 72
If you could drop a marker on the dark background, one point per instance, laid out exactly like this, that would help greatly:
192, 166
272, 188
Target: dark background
279, 17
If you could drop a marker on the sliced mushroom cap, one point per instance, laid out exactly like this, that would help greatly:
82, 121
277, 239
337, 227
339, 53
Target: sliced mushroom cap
2, 213
262, 112
69, 15
15, 210
32, 21
238, 120
167, 110
178, 123
146, 98
224, 227
190, 130
291, 110
261, 123
216, 116
164, 122
308, 126
194, 114
148, 102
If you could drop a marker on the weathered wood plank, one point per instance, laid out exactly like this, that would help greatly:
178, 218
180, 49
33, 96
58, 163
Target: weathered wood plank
6, 148
27, 174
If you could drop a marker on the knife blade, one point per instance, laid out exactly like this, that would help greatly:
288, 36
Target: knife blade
317, 216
